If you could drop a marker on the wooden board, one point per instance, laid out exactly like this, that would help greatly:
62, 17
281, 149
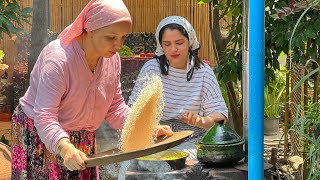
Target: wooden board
114, 155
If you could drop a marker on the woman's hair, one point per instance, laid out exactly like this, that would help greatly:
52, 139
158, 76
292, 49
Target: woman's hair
163, 61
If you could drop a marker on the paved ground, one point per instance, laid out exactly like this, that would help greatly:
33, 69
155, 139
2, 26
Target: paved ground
107, 138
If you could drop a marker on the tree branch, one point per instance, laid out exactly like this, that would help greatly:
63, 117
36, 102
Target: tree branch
228, 4
215, 51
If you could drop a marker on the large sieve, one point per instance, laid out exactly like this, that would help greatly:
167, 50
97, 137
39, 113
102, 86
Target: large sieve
115, 155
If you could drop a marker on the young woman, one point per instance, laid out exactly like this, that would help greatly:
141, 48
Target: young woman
74, 86
193, 99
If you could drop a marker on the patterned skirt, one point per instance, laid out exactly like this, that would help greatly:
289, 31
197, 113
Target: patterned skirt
31, 159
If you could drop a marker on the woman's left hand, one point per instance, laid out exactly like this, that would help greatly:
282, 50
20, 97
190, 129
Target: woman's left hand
190, 118
206, 122
164, 130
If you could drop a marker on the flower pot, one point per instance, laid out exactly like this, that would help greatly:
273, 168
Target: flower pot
271, 126
5, 116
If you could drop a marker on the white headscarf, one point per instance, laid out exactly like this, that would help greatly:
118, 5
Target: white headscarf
193, 41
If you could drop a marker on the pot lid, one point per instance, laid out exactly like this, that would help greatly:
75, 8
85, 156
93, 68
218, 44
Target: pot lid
220, 134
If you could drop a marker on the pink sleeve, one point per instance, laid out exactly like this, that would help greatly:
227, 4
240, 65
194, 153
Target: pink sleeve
50, 89
118, 111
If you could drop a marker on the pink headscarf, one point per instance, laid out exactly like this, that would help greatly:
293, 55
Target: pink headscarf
96, 14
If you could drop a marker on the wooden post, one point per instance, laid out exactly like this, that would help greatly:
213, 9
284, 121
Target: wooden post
11, 57
274, 154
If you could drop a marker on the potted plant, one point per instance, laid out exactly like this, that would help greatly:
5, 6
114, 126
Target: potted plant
4, 115
3, 67
273, 103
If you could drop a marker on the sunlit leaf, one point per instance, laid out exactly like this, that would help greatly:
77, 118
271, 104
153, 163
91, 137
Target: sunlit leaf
26, 11
1, 54
203, 1
304, 79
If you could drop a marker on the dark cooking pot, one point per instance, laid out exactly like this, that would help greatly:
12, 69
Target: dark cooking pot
164, 161
220, 145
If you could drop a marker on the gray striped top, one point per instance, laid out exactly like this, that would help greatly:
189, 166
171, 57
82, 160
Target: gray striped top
200, 95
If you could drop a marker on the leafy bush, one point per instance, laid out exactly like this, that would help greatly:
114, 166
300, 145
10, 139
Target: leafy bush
125, 51
1, 56
274, 95
11, 17
2, 66
308, 127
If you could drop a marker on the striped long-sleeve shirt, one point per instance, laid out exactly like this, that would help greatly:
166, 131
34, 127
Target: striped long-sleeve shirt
200, 95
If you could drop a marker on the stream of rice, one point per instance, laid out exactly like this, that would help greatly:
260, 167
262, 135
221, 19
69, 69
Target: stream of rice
139, 130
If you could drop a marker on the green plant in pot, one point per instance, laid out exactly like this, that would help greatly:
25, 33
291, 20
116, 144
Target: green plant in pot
273, 103
3, 67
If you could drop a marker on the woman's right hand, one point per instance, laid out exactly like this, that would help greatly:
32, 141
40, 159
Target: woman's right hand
72, 157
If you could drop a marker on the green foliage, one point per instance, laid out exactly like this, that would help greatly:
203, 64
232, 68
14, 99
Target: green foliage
231, 69
307, 29
125, 51
224, 92
11, 14
277, 37
203, 1
308, 129
304, 79
4, 140
1, 56
274, 96
276, 40
313, 113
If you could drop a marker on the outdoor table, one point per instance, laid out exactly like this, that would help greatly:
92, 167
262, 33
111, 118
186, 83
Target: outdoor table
198, 171
193, 171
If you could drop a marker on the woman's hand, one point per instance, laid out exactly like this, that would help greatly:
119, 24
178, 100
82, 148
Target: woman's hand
206, 122
190, 118
73, 158
164, 130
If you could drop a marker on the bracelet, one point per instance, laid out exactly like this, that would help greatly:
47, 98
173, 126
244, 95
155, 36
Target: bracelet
59, 148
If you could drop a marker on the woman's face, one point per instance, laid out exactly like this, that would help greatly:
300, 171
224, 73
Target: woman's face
176, 48
108, 40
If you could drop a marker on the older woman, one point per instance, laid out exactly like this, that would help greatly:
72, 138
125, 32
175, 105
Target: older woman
74, 86
193, 99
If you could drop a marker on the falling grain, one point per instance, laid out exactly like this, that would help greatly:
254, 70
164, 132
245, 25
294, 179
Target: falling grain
139, 130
